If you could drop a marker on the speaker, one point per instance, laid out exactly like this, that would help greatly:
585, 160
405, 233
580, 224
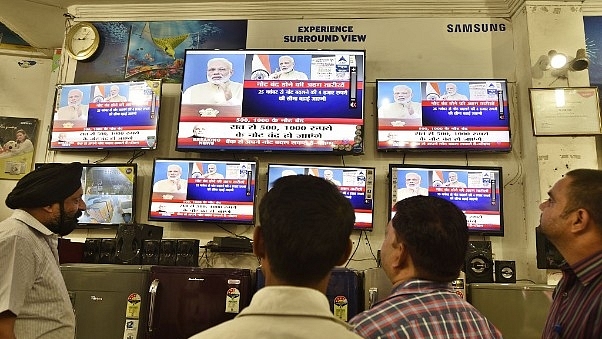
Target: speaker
478, 264
505, 271
129, 241
187, 252
107, 251
548, 257
150, 251
168, 251
92, 250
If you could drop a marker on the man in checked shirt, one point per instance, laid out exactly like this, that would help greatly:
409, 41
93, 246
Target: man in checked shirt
423, 252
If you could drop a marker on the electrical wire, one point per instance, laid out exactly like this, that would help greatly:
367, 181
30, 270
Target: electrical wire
355, 250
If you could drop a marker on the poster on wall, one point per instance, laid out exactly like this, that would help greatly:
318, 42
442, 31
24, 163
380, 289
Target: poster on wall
17, 137
147, 50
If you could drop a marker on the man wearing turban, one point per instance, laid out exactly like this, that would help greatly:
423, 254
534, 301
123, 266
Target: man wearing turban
34, 302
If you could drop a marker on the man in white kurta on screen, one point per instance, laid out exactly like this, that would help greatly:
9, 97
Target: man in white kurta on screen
219, 89
287, 70
174, 182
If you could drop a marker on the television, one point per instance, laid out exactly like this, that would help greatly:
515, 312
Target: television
317, 107
470, 115
355, 182
109, 194
203, 190
476, 190
106, 116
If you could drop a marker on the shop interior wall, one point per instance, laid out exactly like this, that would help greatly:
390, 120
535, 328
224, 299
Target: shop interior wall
388, 56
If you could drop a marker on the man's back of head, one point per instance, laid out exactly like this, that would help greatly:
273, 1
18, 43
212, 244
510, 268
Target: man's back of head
436, 234
305, 224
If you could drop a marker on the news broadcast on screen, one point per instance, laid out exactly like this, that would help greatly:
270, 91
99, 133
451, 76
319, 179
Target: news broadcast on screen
203, 190
118, 115
356, 183
476, 190
272, 101
443, 115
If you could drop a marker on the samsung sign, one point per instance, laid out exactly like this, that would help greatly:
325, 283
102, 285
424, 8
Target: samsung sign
475, 28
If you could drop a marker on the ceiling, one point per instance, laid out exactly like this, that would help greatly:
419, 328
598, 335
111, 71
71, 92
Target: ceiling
41, 23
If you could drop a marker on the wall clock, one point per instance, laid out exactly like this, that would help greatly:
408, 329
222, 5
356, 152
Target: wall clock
82, 40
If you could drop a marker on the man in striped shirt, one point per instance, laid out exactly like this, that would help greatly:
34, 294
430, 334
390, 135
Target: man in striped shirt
571, 218
423, 252
34, 302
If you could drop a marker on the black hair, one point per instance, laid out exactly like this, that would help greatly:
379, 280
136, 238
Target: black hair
435, 233
306, 224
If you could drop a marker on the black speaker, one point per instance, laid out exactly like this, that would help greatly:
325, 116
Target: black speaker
129, 241
187, 252
108, 247
92, 250
478, 264
150, 251
505, 271
548, 257
168, 251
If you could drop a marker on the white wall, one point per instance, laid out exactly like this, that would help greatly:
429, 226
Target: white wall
23, 94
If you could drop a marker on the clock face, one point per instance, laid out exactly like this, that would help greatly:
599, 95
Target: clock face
82, 41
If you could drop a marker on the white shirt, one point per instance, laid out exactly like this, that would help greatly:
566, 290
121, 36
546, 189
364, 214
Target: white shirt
31, 284
394, 110
213, 175
455, 184
171, 186
406, 192
209, 93
283, 312
79, 112
291, 75
456, 96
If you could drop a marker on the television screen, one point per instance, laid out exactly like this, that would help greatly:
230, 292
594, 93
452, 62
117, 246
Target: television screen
218, 191
272, 101
356, 183
443, 115
106, 116
476, 190
109, 194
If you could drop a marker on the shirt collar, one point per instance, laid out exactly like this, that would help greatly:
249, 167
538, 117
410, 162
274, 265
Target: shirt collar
586, 269
32, 222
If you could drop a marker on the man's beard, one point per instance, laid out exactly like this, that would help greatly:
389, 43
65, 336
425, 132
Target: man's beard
65, 223
220, 81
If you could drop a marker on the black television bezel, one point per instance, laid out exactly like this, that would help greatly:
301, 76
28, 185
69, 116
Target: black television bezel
89, 225
204, 220
339, 167
480, 149
96, 148
277, 51
499, 169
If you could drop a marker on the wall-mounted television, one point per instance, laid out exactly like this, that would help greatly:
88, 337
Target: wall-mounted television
467, 115
216, 191
356, 183
272, 101
109, 194
106, 116
476, 190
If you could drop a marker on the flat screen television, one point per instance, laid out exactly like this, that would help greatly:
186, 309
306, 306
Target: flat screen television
476, 190
109, 194
106, 116
309, 101
216, 191
356, 183
469, 115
